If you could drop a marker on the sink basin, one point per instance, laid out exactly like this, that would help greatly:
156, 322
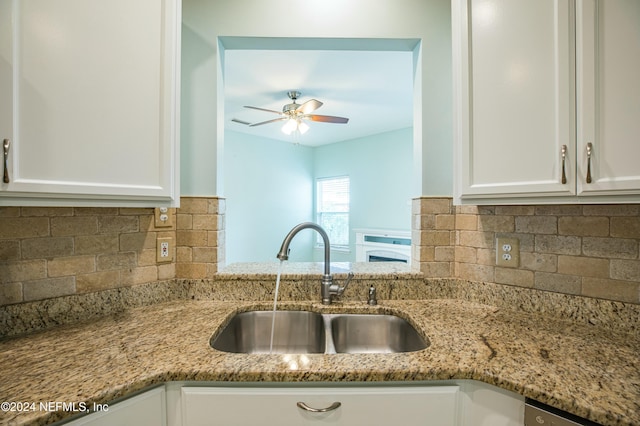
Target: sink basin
297, 332
304, 332
374, 334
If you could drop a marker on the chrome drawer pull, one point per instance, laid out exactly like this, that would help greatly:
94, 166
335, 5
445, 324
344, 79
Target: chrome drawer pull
564, 159
5, 146
589, 151
305, 407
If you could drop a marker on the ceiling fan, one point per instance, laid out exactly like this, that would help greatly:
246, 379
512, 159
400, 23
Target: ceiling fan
294, 114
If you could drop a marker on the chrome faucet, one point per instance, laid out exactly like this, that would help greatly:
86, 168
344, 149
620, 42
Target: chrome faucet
328, 288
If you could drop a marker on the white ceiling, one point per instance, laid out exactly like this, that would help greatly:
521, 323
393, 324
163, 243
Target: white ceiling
373, 89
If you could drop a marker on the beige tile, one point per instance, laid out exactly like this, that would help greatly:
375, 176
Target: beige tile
46, 211
138, 241
113, 261
24, 227
34, 248
612, 248
496, 223
9, 250
556, 244
193, 205
511, 276
445, 221
191, 270
191, 238
486, 257
23, 270
436, 269
467, 222
215, 238
74, 225
71, 265
9, 212
48, 288
583, 266
515, 210
10, 293
625, 227
167, 271
97, 281
476, 239
623, 291
591, 226
559, 210
625, 270
205, 255
539, 262
206, 222
466, 254
96, 244
425, 253
139, 275
95, 211
559, 283
184, 254
184, 221
537, 224
444, 254
473, 272
435, 238
118, 224
435, 205
611, 210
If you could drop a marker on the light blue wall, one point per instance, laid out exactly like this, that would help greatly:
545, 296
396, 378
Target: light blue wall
204, 21
380, 171
268, 188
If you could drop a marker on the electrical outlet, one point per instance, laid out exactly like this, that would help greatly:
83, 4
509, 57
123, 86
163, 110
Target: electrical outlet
508, 252
163, 217
164, 248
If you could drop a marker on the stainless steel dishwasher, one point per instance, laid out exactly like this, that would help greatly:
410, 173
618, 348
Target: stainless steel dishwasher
538, 414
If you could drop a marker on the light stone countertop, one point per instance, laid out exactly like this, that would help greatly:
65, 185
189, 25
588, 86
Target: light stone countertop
590, 371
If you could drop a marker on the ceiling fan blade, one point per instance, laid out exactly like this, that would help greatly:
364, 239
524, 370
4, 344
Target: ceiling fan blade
235, 120
309, 106
327, 118
264, 109
268, 121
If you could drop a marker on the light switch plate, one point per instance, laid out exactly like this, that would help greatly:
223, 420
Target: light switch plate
164, 249
508, 252
163, 217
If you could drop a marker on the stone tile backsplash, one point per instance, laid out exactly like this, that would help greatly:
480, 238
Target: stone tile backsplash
590, 250
587, 250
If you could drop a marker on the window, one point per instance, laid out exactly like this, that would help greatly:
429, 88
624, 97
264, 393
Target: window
332, 209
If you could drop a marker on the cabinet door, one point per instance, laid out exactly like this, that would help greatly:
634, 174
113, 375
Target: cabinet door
92, 87
407, 406
514, 97
146, 409
608, 90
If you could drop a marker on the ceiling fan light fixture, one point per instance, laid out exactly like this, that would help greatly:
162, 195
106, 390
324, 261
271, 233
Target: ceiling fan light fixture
302, 127
290, 126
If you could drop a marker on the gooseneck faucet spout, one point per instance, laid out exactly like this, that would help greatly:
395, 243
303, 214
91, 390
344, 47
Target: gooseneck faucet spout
328, 288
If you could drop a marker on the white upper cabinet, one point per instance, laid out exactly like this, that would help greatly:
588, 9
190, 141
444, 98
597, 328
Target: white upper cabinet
536, 82
608, 93
90, 102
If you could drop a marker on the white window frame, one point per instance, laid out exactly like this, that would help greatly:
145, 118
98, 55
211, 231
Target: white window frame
321, 209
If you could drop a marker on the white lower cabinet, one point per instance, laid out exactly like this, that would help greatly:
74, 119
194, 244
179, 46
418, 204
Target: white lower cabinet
450, 403
145, 409
406, 405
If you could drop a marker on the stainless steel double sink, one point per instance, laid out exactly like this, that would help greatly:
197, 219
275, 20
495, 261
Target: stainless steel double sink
305, 332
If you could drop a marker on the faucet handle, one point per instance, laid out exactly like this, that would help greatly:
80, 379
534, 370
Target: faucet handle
341, 288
